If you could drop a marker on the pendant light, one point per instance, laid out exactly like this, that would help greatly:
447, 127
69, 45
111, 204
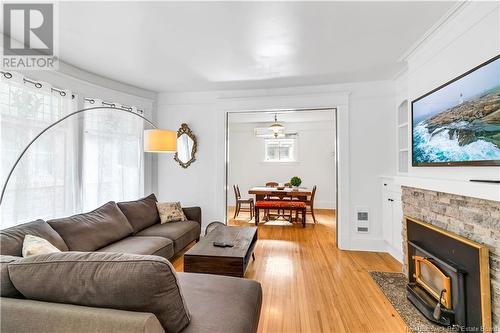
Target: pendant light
276, 127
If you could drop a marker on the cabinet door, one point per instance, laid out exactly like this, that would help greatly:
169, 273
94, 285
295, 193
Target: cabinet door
387, 218
397, 222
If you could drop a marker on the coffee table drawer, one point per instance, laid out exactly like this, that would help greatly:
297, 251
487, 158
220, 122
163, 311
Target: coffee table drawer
214, 265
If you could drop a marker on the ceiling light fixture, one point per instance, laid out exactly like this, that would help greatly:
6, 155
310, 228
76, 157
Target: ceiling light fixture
276, 127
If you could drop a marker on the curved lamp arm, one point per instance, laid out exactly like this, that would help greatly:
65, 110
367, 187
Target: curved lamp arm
57, 122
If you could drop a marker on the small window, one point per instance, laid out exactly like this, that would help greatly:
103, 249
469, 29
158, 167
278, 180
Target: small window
279, 150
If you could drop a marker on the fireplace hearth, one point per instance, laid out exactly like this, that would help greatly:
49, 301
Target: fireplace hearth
448, 277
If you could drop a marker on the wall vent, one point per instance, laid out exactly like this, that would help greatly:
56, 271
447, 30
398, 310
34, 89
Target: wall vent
362, 217
363, 229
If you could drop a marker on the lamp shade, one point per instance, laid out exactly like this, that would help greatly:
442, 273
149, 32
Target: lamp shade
160, 141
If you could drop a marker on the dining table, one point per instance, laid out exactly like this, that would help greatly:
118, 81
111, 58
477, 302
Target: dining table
261, 192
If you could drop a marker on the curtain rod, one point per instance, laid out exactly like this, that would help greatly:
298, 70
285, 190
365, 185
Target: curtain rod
63, 93
113, 105
37, 84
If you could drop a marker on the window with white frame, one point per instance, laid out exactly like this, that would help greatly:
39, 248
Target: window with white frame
279, 150
76, 165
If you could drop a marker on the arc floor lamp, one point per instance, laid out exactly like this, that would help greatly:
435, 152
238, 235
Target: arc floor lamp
155, 140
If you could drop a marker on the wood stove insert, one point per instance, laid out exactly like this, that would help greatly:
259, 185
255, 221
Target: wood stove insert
448, 277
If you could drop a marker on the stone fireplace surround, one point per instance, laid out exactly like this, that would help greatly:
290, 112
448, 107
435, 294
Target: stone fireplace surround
472, 218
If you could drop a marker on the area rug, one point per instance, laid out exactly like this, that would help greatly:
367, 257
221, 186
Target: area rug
393, 285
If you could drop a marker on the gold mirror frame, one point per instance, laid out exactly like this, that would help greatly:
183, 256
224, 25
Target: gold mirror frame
184, 129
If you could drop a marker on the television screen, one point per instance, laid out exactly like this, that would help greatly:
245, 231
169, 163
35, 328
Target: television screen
459, 122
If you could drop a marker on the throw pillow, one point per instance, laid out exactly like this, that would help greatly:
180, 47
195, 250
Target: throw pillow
34, 246
170, 212
106, 280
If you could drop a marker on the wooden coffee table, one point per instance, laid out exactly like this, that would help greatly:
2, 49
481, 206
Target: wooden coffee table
204, 257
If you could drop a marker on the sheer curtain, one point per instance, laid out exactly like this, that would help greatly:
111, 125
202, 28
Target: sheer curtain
113, 161
44, 184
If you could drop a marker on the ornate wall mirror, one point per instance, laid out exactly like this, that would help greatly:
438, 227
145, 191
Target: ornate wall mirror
186, 146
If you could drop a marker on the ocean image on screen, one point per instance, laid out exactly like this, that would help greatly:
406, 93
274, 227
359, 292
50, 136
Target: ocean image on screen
461, 121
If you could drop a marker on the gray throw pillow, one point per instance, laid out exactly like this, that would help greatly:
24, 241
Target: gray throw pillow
141, 213
11, 239
93, 230
7, 289
108, 280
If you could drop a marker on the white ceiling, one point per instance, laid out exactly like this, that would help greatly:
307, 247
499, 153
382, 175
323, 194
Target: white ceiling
193, 46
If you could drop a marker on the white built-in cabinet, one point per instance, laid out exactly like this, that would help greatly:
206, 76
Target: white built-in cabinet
392, 217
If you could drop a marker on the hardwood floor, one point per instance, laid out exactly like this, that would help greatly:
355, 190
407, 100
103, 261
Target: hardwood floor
311, 286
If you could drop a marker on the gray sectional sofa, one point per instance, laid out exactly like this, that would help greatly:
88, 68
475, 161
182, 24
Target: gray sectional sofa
215, 303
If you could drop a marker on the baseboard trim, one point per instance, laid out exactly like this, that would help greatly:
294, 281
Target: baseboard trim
375, 245
395, 253
367, 244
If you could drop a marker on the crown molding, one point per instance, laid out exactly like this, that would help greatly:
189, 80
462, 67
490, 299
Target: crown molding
451, 13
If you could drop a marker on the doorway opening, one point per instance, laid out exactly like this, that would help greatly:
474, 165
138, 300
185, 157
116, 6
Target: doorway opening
265, 149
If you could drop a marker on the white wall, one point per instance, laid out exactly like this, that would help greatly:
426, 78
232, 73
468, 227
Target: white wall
366, 121
468, 38
315, 163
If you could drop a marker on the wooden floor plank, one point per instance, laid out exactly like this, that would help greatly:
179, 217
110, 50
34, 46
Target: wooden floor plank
311, 286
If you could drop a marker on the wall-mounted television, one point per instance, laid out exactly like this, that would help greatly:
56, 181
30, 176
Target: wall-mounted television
458, 123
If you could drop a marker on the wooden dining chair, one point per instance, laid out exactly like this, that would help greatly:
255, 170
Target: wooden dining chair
310, 203
266, 211
272, 184
239, 201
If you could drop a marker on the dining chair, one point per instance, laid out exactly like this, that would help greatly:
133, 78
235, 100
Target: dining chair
272, 184
310, 203
266, 211
288, 197
239, 201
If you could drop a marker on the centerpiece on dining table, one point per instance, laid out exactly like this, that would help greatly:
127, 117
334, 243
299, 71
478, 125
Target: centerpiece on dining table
295, 182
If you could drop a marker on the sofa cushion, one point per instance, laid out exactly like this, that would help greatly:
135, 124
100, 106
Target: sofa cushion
181, 233
158, 246
141, 213
107, 280
28, 316
11, 239
93, 230
7, 289
221, 303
